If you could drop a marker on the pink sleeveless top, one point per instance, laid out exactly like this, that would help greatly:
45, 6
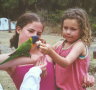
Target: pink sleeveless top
47, 82
71, 77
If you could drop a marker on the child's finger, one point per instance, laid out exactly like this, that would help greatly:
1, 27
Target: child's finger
42, 47
41, 63
43, 50
43, 41
42, 44
38, 62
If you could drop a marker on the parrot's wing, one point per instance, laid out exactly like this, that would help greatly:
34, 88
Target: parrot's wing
27, 54
20, 53
22, 50
9, 58
26, 46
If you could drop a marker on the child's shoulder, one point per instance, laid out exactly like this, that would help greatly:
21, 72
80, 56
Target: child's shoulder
81, 47
56, 45
80, 44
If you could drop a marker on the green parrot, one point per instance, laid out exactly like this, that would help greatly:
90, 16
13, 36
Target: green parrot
23, 49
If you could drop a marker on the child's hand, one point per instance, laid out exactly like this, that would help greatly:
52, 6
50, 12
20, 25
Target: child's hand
89, 81
43, 41
45, 48
42, 64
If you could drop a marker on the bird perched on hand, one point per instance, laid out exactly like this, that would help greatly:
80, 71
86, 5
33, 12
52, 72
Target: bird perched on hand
23, 49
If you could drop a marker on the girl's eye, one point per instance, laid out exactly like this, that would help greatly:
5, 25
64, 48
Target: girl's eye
73, 29
65, 28
31, 31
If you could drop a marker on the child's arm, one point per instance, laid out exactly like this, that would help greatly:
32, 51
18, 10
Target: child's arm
17, 61
32, 78
77, 50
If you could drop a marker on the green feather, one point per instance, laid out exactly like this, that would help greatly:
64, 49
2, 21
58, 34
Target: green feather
22, 50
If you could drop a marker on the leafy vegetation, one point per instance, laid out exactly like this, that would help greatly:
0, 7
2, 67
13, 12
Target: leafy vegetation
50, 10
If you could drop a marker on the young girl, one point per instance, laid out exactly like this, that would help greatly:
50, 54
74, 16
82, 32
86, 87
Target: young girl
71, 55
29, 24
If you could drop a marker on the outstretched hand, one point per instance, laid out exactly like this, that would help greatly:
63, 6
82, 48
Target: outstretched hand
45, 48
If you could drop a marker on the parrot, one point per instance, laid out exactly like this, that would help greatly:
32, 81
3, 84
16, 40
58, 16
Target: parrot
23, 49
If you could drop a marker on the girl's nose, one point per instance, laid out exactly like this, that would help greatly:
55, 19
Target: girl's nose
35, 34
68, 31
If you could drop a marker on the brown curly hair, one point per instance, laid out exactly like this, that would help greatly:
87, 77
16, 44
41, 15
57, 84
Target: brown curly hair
82, 18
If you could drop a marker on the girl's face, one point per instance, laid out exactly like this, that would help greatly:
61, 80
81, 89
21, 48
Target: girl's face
31, 29
71, 30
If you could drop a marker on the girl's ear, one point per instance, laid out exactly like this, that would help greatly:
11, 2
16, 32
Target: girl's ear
18, 29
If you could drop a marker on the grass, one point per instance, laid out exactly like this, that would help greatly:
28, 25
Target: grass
6, 81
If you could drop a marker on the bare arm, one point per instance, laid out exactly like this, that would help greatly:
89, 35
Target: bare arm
76, 51
17, 61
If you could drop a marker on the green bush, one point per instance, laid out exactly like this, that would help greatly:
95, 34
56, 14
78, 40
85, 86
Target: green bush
56, 16
93, 25
51, 17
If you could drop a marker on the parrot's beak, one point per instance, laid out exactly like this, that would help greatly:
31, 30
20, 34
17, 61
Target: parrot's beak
33, 45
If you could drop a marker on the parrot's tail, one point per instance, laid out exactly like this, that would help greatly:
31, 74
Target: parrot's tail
8, 59
4, 61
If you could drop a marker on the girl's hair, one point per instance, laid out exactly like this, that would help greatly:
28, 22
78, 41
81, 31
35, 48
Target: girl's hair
21, 22
82, 18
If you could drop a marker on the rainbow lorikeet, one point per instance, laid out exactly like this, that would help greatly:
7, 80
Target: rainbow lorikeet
23, 49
